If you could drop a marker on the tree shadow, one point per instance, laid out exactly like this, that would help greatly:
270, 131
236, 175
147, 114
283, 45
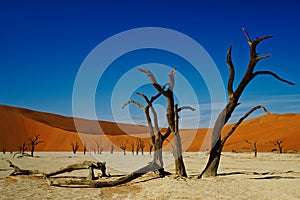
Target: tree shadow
276, 177
146, 180
267, 175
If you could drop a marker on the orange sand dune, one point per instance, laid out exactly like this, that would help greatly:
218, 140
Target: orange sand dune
58, 132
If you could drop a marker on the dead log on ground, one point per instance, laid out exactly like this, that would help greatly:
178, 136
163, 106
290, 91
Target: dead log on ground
90, 165
99, 184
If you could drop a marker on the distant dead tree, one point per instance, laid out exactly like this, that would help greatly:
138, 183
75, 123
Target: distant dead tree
278, 143
33, 142
99, 147
112, 147
123, 147
132, 148
141, 145
23, 148
3, 148
138, 147
84, 148
75, 147
234, 96
254, 149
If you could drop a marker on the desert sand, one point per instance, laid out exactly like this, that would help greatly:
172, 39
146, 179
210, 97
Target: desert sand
58, 132
269, 176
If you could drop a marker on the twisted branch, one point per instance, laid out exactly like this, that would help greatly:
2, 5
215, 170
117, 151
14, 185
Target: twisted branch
272, 74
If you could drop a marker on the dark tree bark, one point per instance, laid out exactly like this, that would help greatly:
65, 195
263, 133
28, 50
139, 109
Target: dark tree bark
234, 95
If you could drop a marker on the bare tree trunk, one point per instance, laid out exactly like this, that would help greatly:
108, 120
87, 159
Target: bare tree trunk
255, 149
215, 153
34, 141
157, 142
157, 158
212, 165
179, 164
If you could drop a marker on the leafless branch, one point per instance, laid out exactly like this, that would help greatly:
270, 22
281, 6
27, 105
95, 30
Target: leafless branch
186, 108
232, 72
134, 102
241, 120
247, 36
153, 80
272, 74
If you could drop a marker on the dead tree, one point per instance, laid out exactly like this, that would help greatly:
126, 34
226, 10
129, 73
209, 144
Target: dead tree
234, 96
172, 118
75, 147
33, 142
278, 143
142, 146
23, 148
78, 166
254, 149
112, 147
99, 147
132, 148
99, 183
84, 149
123, 147
91, 181
138, 146
158, 138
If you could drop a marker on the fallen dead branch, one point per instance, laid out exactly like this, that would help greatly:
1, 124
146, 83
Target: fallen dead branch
90, 165
99, 183
91, 181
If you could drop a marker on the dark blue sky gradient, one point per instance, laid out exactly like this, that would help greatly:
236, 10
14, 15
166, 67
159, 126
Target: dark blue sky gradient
43, 43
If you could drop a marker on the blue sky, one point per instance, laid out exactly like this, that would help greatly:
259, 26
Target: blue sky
43, 44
